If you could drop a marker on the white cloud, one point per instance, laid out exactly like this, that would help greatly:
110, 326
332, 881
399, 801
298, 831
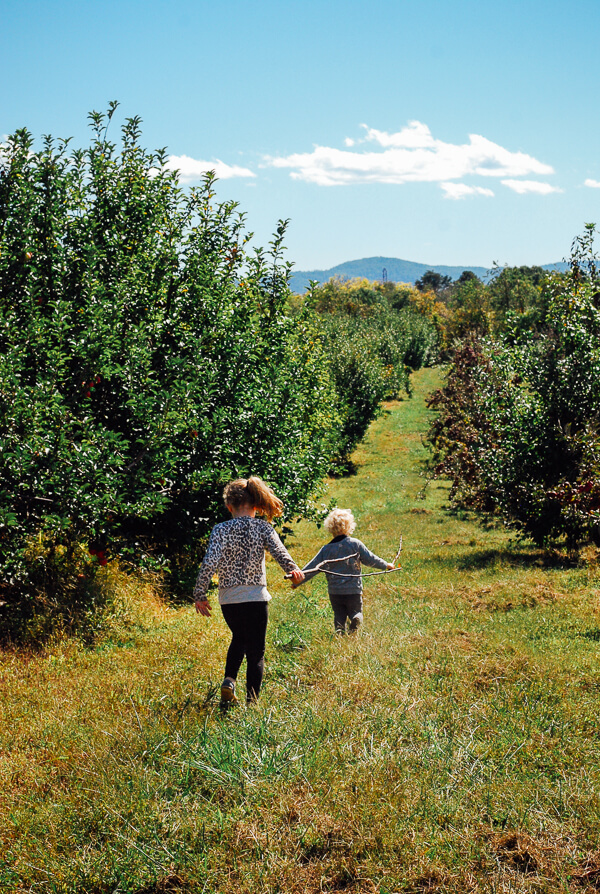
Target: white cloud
414, 136
349, 141
191, 169
461, 190
411, 155
525, 186
595, 184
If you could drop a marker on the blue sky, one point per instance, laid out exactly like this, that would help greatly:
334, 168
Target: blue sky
438, 131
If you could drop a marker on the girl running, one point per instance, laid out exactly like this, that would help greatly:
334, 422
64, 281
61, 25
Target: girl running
236, 550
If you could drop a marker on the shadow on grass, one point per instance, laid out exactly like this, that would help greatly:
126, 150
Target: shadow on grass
346, 469
593, 635
523, 558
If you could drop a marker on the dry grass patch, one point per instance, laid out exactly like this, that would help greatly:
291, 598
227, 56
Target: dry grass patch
169, 884
519, 851
505, 596
431, 881
586, 875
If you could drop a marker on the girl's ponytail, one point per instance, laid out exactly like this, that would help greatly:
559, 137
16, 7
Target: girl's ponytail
253, 492
263, 497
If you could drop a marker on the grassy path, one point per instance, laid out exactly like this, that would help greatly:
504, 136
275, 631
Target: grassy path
452, 746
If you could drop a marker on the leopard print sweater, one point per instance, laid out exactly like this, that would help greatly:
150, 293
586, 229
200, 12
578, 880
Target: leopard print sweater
236, 549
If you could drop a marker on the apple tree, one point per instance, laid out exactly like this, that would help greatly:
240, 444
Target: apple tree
146, 356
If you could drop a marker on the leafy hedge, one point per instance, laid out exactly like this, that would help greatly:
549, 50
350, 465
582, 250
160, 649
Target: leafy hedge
373, 339
146, 356
518, 423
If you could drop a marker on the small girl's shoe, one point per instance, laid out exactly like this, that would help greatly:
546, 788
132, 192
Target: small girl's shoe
228, 697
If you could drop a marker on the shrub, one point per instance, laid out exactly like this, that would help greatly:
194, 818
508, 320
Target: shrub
517, 428
146, 356
358, 297
372, 347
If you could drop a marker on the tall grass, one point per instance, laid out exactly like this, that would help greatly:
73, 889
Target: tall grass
451, 746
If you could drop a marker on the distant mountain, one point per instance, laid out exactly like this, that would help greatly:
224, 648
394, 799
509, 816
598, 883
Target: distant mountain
396, 269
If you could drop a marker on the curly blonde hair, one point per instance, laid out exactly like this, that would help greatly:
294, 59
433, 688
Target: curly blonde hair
340, 521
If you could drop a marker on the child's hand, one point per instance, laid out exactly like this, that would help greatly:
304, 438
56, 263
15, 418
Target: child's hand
390, 566
296, 577
203, 607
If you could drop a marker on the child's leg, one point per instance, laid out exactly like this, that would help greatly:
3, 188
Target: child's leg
354, 608
235, 654
248, 624
338, 604
257, 617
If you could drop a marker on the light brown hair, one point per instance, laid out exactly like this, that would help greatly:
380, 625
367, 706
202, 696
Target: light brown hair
255, 493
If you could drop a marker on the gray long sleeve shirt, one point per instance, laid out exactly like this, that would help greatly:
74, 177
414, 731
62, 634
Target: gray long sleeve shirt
339, 548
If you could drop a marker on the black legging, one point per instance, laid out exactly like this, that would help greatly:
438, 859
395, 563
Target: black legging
248, 624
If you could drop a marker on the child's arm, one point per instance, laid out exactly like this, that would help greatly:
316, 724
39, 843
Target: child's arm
207, 569
308, 574
370, 559
281, 555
